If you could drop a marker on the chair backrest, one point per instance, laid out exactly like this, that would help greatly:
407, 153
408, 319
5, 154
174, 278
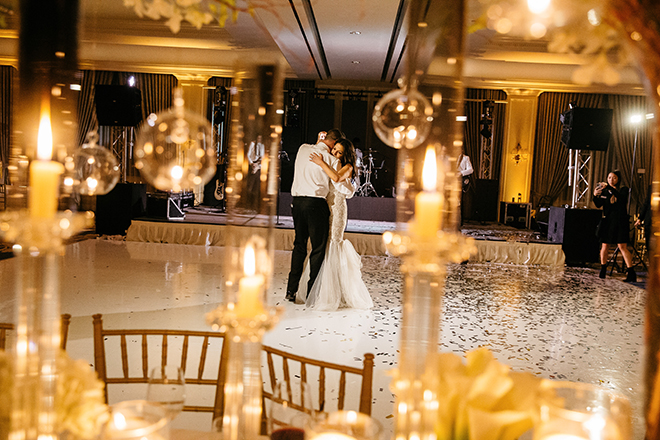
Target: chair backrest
131, 349
4, 327
282, 365
64, 331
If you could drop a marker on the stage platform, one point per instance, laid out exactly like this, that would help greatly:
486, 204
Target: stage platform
495, 243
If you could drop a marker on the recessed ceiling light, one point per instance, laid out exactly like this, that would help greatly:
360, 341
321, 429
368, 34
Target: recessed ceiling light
355, 62
355, 32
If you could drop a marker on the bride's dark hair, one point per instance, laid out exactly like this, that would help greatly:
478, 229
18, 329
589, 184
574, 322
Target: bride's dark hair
349, 156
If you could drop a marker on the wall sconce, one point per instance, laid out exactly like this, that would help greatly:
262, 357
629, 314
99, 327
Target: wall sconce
519, 154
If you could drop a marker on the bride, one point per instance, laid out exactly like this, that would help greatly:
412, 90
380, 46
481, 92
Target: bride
339, 282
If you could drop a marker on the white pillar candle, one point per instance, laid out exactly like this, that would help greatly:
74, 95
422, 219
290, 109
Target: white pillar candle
250, 287
428, 203
44, 173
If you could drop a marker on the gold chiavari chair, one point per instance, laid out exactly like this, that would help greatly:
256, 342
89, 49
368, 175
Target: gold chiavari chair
64, 329
281, 366
128, 350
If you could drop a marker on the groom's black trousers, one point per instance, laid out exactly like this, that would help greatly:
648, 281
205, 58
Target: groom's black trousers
311, 220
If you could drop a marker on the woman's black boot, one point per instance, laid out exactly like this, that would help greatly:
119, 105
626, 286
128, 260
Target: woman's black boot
632, 276
603, 270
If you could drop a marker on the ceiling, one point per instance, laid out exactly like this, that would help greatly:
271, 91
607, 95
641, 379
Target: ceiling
334, 41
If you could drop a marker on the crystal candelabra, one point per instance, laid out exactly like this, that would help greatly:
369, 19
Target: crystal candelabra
420, 120
245, 314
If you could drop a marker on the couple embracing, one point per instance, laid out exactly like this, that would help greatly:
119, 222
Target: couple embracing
331, 278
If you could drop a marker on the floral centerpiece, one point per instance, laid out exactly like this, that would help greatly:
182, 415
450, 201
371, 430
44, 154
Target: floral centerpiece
195, 12
482, 398
79, 402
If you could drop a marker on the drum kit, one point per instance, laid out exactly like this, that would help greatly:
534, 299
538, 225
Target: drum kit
366, 167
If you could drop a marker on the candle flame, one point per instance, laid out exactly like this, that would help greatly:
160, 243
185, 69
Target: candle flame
430, 170
119, 421
45, 135
249, 261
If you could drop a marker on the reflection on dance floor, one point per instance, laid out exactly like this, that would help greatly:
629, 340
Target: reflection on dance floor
561, 323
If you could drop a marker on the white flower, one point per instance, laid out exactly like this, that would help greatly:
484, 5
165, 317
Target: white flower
195, 12
186, 3
482, 399
79, 401
174, 23
572, 27
198, 18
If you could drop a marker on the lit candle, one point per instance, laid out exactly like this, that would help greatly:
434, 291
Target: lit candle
563, 437
333, 436
249, 287
44, 173
428, 203
130, 424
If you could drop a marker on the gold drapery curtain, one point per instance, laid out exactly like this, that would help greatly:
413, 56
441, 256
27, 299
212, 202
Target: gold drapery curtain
550, 166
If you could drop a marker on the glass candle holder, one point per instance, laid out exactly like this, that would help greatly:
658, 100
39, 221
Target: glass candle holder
137, 419
429, 135
343, 425
252, 188
174, 149
576, 411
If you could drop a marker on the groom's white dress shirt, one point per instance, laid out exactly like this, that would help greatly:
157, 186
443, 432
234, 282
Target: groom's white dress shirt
309, 179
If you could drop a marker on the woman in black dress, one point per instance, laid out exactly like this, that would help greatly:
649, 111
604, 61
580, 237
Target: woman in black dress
614, 227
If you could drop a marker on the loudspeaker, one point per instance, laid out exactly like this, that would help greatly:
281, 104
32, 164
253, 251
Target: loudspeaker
575, 229
115, 210
587, 128
486, 196
118, 105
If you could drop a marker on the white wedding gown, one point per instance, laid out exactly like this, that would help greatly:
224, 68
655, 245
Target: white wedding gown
339, 282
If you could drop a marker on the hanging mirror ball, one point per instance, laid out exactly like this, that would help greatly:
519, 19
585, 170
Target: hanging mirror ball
403, 118
174, 150
91, 170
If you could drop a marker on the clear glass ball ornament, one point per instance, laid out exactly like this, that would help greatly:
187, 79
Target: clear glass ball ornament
403, 117
92, 169
174, 149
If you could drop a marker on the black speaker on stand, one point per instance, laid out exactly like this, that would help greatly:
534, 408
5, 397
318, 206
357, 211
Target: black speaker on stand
118, 105
587, 128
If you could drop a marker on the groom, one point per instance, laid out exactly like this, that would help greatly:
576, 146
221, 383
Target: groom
311, 215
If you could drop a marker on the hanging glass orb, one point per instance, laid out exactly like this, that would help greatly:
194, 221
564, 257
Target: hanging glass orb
174, 149
91, 170
403, 117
